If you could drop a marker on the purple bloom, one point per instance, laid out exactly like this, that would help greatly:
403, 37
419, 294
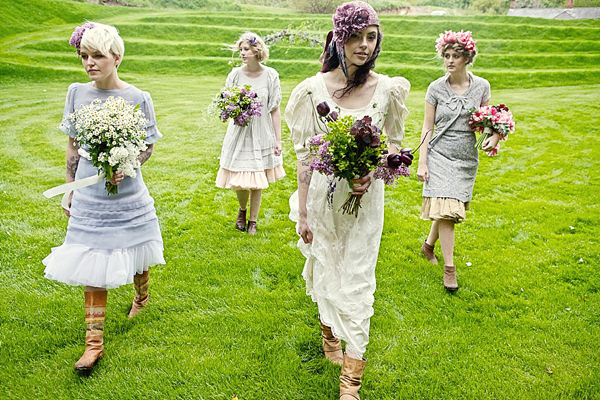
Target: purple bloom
352, 17
323, 109
334, 115
75, 40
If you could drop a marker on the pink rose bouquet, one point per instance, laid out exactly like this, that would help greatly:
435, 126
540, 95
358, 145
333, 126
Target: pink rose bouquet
351, 149
489, 119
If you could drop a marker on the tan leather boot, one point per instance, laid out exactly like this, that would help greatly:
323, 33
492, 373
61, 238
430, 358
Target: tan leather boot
427, 251
450, 282
351, 378
240, 222
140, 283
332, 346
95, 309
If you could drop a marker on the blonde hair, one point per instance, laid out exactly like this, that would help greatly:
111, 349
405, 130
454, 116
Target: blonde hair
103, 38
257, 44
469, 55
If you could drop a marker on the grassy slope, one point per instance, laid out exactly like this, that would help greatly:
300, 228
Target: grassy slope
234, 319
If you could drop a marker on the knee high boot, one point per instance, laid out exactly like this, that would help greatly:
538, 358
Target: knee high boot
332, 346
140, 283
95, 310
351, 378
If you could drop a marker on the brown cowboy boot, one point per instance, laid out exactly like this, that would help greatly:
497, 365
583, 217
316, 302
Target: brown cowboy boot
450, 282
251, 230
95, 309
351, 378
427, 251
140, 283
332, 346
240, 222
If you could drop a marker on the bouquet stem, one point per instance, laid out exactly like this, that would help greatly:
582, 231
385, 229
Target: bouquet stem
487, 132
351, 205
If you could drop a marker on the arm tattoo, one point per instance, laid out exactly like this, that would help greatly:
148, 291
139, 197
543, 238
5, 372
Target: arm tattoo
145, 155
304, 177
72, 164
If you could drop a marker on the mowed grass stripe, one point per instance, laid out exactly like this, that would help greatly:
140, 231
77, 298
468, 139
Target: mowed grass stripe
166, 50
54, 59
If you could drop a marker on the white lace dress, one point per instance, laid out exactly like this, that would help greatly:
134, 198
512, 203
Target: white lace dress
340, 263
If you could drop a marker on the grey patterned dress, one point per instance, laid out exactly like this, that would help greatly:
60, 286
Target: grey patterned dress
452, 159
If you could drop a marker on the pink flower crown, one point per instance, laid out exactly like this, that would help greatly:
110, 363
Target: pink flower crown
75, 40
462, 38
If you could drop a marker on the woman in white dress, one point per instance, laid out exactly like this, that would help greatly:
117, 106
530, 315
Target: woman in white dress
341, 250
111, 239
251, 155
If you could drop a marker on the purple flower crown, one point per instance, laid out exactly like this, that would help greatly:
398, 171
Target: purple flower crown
75, 40
352, 17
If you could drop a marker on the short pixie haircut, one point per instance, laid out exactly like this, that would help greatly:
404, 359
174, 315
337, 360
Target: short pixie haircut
469, 55
257, 44
103, 38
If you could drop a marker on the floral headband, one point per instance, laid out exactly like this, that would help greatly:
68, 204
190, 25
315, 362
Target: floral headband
349, 18
462, 38
78, 34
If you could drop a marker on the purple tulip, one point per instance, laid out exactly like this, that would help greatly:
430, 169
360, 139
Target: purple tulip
323, 109
405, 159
334, 115
393, 160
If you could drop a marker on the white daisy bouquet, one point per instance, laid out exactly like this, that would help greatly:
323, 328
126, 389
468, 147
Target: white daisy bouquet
111, 135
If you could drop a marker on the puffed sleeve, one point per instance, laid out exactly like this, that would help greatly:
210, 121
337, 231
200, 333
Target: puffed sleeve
147, 107
300, 118
487, 92
66, 126
274, 90
397, 111
232, 78
430, 96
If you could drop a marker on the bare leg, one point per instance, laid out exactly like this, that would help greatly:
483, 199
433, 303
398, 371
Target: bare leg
434, 233
446, 234
242, 196
255, 198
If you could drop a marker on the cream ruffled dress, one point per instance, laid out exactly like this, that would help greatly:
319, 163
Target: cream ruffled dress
340, 263
248, 159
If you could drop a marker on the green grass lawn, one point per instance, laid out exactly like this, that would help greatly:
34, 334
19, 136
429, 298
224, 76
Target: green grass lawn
229, 315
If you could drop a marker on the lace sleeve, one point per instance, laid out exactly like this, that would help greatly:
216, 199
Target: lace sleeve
397, 111
300, 119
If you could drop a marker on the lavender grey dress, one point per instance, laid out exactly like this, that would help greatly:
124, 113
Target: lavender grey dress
452, 159
109, 238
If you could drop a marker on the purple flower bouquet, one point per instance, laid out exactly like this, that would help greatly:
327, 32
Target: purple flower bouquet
238, 103
351, 149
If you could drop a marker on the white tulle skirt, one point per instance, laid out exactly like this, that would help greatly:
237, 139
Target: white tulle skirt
79, 265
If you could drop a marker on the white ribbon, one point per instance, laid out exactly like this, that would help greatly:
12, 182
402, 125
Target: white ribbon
67, 188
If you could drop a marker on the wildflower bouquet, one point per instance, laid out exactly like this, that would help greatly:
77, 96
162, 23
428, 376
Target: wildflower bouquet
111, 135
489, 119
238, 103
351, 149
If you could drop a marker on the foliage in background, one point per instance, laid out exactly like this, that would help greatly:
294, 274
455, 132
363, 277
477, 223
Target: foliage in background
228, 313
315, 6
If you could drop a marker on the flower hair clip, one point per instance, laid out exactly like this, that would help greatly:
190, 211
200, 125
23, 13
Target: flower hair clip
462, 38
75, 40
253, 41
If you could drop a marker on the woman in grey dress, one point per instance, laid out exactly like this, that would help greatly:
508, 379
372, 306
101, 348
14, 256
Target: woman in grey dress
111, 239
448, 158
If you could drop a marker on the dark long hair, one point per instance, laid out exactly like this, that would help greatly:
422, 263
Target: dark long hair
332, 61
